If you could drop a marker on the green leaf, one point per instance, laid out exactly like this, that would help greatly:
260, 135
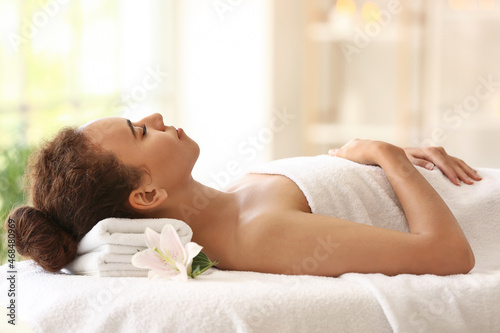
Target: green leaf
201, 263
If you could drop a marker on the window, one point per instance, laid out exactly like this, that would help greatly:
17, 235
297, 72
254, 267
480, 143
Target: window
67, 62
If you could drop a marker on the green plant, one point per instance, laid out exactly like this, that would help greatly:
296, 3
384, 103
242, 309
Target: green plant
12, 166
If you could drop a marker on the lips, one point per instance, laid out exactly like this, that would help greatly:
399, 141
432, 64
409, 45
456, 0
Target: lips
179, 132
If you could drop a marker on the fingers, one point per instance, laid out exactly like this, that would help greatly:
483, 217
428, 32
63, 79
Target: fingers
459, 175
451, 173
469, 172
458, 171
332, 152
453, 168
422, 163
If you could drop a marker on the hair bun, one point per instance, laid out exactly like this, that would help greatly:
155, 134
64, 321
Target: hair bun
39, 238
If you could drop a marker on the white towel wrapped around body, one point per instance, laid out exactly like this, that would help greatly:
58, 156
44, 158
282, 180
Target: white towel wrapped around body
362, 193
107, 249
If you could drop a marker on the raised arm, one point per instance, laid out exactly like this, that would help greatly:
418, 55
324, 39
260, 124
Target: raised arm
284, 242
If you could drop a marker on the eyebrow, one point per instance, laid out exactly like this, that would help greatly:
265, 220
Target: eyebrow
129, 123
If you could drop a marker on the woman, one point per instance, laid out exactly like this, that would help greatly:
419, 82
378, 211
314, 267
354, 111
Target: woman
262, 223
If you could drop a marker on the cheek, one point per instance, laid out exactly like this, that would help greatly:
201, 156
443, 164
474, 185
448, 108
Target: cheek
165, 153
169, 153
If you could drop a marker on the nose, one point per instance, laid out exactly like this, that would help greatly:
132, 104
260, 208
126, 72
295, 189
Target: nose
155, 121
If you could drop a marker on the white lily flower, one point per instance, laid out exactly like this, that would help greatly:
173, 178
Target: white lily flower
165, 255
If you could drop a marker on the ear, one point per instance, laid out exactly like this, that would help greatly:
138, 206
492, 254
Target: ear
142, 199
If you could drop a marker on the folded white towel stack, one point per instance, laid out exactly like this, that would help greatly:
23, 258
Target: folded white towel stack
107, 249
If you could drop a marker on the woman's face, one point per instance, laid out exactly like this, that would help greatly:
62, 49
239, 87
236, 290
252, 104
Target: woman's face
168, 153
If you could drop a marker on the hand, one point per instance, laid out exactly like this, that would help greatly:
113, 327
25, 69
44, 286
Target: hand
455, 169
365, 151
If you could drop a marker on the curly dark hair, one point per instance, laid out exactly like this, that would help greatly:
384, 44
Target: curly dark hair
72, 184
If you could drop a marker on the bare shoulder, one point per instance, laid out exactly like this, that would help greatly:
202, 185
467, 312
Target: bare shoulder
261, 198
266, 193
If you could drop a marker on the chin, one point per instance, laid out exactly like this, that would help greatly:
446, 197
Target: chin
196, 150
197, 154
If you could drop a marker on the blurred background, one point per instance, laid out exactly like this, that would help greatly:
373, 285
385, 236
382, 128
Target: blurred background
253, 80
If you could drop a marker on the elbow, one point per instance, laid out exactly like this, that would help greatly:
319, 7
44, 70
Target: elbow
459, 259
449, 257
469, 261
463, 263
465, 260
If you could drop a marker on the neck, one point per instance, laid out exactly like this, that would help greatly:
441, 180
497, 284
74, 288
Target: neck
198, 205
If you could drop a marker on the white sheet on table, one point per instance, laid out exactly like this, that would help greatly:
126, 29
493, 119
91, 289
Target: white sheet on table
222, 301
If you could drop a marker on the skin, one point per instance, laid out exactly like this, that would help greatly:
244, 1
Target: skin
263, 222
